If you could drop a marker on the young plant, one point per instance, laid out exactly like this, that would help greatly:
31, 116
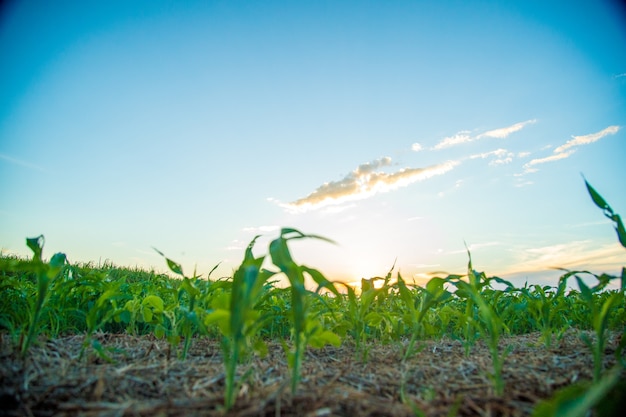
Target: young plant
190, 320
304, 329
237, 317
579, 399
363, 311
100, 312
46, 273
600, 315
599, 320
417, 307
546, 307
489, 324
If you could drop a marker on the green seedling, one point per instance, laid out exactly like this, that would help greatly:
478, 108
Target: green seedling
579, 399
191, 320
238, 319
46, 273
546, 308
365, 312
303, 330
488, 323
417, 306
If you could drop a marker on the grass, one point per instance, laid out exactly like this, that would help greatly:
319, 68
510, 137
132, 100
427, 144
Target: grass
55, 298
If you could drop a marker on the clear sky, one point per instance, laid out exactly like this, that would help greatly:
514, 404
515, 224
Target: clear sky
398, 129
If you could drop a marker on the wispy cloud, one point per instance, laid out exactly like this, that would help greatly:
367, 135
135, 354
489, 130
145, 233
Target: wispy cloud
20, 162
474, 247
465, 137
261, 229
365, 181
587, 139
583, 254
499, 156
506, 131
416, 147
461, 137
550, 158
569, 147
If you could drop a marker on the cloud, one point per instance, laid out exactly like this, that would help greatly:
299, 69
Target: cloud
587, 139
583, 254
564, 150
364, 182
261, 229
461, 137
465, 137
474, 247
506, 131
416, 147
550, 158
500, 156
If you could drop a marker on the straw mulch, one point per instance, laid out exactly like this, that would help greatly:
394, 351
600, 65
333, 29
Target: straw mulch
146, 379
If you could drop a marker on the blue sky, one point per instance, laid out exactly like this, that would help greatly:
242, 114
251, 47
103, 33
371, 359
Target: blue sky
398, 129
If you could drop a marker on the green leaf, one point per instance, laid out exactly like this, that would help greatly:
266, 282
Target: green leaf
36, 245
154, 302
173, 266
619, 228
323, 338
221, 317
578, 399
585, 291
373, 318
597, 198
320, 279
159, 331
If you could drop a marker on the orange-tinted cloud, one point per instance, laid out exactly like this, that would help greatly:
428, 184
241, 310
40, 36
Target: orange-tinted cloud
364, 182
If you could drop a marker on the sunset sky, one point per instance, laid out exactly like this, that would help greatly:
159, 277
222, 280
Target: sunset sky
401, 130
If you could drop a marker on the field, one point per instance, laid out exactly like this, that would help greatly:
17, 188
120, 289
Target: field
99, 341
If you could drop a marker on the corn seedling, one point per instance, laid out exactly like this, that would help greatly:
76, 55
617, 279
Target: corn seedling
302, 326
417, 306
488, 323
45, 272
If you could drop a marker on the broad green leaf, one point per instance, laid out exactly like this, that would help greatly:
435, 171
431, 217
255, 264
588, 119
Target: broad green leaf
146, 315
159, 331
58, 260
154, 302
221, 317
323, 338
435, 286
373, 318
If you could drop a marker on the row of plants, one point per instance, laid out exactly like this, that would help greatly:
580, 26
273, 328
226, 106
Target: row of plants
246, 310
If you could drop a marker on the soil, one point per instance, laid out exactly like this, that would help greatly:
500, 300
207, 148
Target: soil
146, 379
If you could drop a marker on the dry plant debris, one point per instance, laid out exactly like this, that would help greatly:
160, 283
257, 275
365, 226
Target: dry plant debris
146, 379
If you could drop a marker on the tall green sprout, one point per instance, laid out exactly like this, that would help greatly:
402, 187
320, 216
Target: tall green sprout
302, 326
488, 323
46, 273
600, 315
238, 318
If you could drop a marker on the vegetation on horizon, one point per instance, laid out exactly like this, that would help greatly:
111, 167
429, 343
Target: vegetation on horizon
56, 298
